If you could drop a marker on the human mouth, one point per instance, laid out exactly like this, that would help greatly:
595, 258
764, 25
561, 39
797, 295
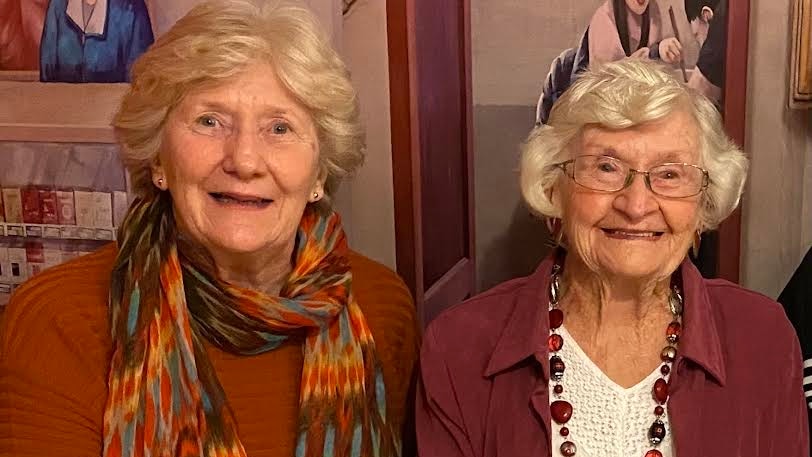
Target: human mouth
627, 234
240, 200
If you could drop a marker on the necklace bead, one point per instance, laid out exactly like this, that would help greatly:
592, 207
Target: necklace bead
669, 354
556, 318
557, 367
660, 391
673, 331
561, 411
568, 449
555, 342
656, 433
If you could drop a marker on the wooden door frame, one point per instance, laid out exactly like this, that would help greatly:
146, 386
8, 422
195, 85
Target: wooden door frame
735, 109
406, 164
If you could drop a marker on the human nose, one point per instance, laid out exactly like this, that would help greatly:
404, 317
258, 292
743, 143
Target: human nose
243, 154
636, 200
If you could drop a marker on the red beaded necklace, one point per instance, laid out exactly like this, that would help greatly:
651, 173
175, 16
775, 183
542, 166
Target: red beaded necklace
561, 410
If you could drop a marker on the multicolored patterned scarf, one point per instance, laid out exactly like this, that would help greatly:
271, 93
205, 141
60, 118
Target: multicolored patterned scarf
164, 397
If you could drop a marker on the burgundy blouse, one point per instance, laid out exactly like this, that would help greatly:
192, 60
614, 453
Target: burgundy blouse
736, 385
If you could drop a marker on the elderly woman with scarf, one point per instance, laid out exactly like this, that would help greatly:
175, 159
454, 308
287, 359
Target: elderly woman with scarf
230, 318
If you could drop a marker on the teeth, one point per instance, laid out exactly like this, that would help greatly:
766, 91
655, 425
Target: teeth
229, 199
635, 234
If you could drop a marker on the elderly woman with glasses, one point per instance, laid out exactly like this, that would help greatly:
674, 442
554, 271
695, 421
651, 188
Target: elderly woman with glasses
616, 345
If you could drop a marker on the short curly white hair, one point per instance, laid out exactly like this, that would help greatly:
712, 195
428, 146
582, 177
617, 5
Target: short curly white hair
624, 94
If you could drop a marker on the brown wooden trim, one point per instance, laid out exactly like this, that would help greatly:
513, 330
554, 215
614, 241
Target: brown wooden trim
468, 109
404, 128
453, 287
738, 25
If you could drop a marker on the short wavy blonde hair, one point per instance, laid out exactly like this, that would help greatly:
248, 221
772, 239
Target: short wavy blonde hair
215, 41
620, 95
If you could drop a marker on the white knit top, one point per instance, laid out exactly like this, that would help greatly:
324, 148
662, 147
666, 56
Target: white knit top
607, 419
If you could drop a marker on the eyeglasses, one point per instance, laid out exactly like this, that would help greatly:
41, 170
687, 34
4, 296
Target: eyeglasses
608, 174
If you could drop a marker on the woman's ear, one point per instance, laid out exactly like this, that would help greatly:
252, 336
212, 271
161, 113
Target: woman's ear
316, 191
158, 175
554, 194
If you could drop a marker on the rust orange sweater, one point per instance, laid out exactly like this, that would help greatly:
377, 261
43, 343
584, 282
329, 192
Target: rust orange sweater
55, 349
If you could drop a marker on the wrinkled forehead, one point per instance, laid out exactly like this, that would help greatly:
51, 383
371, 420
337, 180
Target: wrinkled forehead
673, 139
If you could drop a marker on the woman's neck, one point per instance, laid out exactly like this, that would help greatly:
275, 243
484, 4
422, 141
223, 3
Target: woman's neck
611, 301
265, 272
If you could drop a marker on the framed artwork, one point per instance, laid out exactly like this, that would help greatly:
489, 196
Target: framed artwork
652, 29
801, 75
64, 64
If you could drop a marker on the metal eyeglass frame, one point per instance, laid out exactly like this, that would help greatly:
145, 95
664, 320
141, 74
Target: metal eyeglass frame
632, 172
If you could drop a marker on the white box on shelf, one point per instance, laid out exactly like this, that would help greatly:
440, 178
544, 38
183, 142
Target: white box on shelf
5, 266
102, 210
33, 230
52, 231
69, 232
84, 208
13, 205
15, 230
19, 265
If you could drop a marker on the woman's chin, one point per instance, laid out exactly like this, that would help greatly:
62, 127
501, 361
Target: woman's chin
240, 243
633, 265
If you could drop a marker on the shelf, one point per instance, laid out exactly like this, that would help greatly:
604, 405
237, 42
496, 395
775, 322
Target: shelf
58, 112
56, 232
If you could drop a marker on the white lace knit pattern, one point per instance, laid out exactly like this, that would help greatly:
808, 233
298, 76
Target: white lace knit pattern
607, 419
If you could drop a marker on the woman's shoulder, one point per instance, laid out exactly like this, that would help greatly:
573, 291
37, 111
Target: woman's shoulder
390, 313
377, 288
741, 311
385, 301
70, 297
476, 325
731, 298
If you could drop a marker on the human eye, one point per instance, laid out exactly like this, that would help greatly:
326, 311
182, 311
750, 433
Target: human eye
606, 165
207, 121
280, 128
669, 172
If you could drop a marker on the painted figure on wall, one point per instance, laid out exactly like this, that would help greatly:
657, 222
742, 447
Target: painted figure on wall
700, 14
20, 32
93, 40
709, 75
627, 29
